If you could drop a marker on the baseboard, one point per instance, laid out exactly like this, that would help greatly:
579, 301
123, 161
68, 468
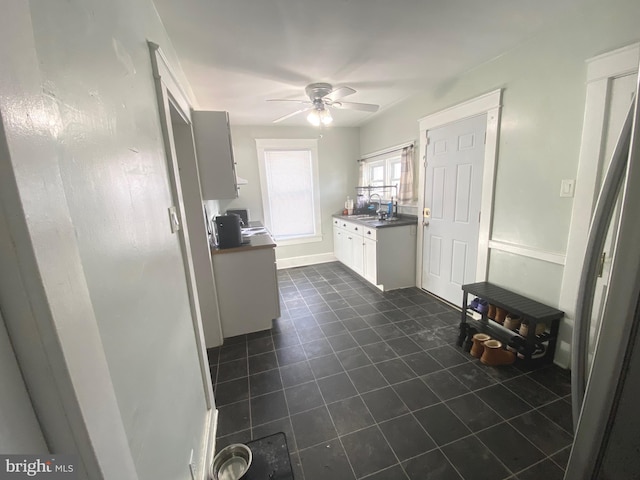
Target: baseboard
305, 260
210, 443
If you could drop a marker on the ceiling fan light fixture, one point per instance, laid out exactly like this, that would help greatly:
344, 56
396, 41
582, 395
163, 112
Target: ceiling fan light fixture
325, 117
314, 118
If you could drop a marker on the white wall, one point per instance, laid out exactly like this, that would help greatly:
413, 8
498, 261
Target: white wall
79, 109
19, 429
338, 152
543, 103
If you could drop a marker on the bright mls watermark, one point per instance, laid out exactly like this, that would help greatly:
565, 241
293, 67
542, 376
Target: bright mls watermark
49, 467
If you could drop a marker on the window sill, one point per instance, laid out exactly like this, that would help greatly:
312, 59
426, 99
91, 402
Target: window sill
298, 240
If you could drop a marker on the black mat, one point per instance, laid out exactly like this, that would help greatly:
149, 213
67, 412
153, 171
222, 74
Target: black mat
271, 459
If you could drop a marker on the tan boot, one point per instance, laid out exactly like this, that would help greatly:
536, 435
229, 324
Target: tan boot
495, 355
512, 322
478, 348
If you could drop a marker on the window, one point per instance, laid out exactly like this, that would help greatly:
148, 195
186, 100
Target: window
290, 193
384, 170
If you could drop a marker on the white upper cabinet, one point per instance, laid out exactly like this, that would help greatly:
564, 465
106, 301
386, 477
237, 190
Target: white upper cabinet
217, 168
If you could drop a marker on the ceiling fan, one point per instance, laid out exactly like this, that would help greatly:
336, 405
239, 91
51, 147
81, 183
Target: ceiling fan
322, 97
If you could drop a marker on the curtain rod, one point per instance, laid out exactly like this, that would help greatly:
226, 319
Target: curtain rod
386, 150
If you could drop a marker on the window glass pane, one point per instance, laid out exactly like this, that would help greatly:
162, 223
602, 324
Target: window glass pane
396, 168
377, 173
290, 185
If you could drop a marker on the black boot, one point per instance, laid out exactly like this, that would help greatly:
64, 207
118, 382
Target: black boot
464, 328
468, 341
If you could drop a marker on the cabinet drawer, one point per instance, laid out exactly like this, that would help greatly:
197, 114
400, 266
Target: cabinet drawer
368, 232
354, 228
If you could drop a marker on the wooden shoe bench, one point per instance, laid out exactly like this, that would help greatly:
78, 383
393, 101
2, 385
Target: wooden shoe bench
530, 310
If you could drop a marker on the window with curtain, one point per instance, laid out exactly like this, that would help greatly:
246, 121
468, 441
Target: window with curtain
290, 193
392, 168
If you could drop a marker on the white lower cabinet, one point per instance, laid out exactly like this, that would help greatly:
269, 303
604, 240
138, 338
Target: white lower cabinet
356, 252
247, 289
338, 243
370, 260
385, 257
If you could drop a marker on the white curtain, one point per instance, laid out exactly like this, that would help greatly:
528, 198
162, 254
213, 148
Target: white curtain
405, 190
361, 173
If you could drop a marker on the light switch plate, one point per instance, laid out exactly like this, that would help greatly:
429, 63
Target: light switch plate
173, 219
567, 187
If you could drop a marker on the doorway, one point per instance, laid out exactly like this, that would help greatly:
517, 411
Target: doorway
453, 192
621, 94
609, 87
459, 148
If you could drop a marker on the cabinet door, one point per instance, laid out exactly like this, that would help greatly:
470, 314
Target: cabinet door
370, 261
216, 166
347, 251
357, 253
338, 243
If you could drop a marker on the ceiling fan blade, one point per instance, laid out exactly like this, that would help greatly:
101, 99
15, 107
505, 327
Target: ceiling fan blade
289, 115
340, 92
365, 107
287, 100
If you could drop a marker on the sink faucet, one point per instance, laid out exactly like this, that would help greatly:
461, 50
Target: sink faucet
379, 200
379, 210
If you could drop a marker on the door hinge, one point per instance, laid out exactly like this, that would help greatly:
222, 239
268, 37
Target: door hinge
601, 267
479, 216
428, 141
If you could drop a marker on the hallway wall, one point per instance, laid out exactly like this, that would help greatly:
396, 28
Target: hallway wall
85, 189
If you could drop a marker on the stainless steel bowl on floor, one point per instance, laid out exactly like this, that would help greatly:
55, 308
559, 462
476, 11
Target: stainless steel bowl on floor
231, 463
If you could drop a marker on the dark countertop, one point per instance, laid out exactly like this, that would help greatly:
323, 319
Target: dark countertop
373, 222
250, 242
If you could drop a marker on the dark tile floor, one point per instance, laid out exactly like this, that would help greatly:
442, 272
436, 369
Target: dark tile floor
370, 385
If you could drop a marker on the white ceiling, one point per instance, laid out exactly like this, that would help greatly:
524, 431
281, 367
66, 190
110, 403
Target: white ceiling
238, 53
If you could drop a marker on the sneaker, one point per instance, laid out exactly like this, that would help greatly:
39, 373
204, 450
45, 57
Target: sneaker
483, 306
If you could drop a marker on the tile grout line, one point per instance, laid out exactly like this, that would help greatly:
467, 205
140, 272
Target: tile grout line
404, 334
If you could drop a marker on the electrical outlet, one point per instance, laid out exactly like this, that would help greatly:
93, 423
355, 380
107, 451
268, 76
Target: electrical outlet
192, 466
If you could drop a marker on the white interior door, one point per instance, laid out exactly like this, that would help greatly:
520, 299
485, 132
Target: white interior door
621, 94
453, 194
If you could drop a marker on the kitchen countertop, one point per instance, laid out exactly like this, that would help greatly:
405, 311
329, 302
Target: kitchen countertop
373, 222
254, 241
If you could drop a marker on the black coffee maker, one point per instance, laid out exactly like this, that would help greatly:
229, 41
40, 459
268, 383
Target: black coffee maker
229, 231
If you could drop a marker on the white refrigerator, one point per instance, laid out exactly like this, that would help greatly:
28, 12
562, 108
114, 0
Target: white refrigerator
606, 393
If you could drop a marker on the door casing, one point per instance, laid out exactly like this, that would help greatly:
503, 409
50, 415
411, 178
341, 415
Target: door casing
601, 70
491, 104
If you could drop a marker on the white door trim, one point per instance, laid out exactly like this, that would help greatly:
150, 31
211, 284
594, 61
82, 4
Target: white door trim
601, 70
166, 86
169, 92
489, 103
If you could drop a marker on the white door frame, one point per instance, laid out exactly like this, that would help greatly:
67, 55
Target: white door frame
489, 103
170, 94
601, 71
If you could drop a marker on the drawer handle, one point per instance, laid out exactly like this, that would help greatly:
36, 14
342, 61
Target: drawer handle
356, 229
369, 232
344, 224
